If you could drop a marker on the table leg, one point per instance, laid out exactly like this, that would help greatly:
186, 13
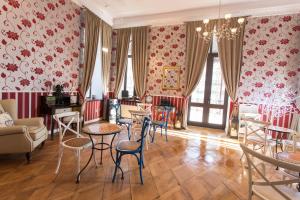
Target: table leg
88, 162
101, 151
52, 127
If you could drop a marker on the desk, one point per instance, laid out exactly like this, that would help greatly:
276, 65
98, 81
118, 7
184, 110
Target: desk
46, 109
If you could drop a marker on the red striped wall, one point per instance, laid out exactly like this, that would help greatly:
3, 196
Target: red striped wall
28, 103
177, 102
93, 110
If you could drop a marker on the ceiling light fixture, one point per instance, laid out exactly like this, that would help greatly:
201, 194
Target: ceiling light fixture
226, 30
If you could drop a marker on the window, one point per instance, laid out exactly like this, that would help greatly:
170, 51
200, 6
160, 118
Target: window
95, 90
127, 88
208, 103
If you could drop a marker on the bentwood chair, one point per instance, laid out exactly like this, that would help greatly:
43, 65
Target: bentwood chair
256, 134
147, 107
135, 148
163, 122
66, 120
293, 143
76, 144
265, 187
123, 120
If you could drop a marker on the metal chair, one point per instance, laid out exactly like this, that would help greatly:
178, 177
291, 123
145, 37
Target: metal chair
267, 188
123, 121
163, 123
76, 144
132, 148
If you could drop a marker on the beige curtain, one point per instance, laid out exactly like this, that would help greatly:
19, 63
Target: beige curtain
92, 27
106, 30
139, 59
123, 38
230, 54
106, 55
196, 56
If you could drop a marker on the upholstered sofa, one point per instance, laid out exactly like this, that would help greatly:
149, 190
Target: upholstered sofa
25, 134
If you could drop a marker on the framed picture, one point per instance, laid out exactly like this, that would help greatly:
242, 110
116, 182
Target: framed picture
171, 78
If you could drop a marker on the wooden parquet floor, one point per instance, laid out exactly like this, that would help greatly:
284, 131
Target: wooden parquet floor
194, 164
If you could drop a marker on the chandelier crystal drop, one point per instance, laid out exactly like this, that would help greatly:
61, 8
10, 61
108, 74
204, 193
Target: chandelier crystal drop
226, 30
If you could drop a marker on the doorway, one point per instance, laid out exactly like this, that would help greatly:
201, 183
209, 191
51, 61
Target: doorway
208, 103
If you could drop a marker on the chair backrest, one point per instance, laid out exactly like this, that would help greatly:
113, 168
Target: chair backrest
144, 107
165, 113
63, 128
265, 180
125, 110
144, 131
255, 128
10, 106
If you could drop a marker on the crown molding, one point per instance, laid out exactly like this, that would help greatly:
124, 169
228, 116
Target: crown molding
96, 9
262, 8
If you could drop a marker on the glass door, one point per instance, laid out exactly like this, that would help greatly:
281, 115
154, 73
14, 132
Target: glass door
208, 103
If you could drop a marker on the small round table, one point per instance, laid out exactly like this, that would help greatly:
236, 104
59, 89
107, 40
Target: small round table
290, 157
102, 130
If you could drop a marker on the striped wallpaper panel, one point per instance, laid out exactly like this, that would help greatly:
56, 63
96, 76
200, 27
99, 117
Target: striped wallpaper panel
28, 104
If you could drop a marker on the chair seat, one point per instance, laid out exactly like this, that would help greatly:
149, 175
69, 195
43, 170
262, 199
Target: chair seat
255, 139
69, 118
267, 192
81, 142
36, 132
158, 123
125, 121
128, 145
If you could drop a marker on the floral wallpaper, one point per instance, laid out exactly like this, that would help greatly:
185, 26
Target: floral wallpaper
271, 59
40, 44
167, 46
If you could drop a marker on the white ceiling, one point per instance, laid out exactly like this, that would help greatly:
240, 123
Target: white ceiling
125, 13
130, 8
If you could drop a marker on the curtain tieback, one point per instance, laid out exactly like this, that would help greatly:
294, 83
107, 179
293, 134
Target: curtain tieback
80, 93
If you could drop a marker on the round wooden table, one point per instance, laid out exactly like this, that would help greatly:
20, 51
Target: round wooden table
290, 157
101, 130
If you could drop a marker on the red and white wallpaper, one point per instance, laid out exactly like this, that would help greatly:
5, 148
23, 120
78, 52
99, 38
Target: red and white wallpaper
40, 44
271, 58
167, 47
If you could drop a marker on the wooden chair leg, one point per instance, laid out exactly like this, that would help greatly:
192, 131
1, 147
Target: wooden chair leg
60, 155
28, 157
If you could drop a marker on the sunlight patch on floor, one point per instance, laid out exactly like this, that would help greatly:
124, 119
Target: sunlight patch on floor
222, 141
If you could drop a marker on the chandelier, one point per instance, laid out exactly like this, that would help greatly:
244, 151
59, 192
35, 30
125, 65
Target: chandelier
226, 30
